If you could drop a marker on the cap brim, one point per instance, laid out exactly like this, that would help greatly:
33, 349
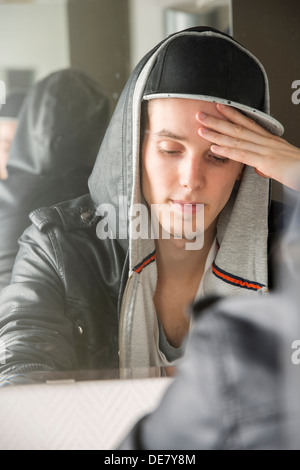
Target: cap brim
266, 121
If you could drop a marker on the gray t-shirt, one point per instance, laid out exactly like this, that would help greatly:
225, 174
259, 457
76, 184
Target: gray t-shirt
171, 353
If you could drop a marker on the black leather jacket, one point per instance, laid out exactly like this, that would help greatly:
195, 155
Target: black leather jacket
70, 293
64, 314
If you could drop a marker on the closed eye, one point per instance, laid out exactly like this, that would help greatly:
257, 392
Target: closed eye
169, 152
170, 148
217, 159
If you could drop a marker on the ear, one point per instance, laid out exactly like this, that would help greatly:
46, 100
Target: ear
240, 175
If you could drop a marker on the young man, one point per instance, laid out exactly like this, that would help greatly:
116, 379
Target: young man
80, 300
49, 163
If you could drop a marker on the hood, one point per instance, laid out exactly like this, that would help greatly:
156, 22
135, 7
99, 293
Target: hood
61, 125
243, 225
60, 129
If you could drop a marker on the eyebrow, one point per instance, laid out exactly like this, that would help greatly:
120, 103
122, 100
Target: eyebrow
171, 135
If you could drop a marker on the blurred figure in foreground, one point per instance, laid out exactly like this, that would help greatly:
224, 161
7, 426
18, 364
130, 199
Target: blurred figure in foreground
238, 384
60, 130
9, 114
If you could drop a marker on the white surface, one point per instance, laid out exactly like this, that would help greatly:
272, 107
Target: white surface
147, 25
76, 416
34, 35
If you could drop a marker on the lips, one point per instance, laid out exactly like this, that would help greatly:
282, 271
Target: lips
188, 207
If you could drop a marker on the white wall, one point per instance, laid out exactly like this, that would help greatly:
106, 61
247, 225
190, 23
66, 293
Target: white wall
34, 35
146, 25
147, 22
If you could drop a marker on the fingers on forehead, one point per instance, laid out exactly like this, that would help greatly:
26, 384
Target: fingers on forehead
237, 117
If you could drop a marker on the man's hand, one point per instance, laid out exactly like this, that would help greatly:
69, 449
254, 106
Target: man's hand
245, 141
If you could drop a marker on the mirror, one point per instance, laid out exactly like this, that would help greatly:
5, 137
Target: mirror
103, 38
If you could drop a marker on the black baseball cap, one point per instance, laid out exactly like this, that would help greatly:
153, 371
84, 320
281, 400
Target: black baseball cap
211, 66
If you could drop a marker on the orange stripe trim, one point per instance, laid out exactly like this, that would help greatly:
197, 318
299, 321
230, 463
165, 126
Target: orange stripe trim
249, 285
145, 263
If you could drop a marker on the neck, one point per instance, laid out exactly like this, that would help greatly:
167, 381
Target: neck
174, 261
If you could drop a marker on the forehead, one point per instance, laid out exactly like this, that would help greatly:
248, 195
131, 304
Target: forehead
179, 109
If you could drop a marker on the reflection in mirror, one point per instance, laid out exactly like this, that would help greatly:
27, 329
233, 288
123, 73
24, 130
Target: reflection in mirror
39, 37
102, 41
215, 14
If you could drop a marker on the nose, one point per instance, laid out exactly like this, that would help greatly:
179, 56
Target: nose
192, 172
